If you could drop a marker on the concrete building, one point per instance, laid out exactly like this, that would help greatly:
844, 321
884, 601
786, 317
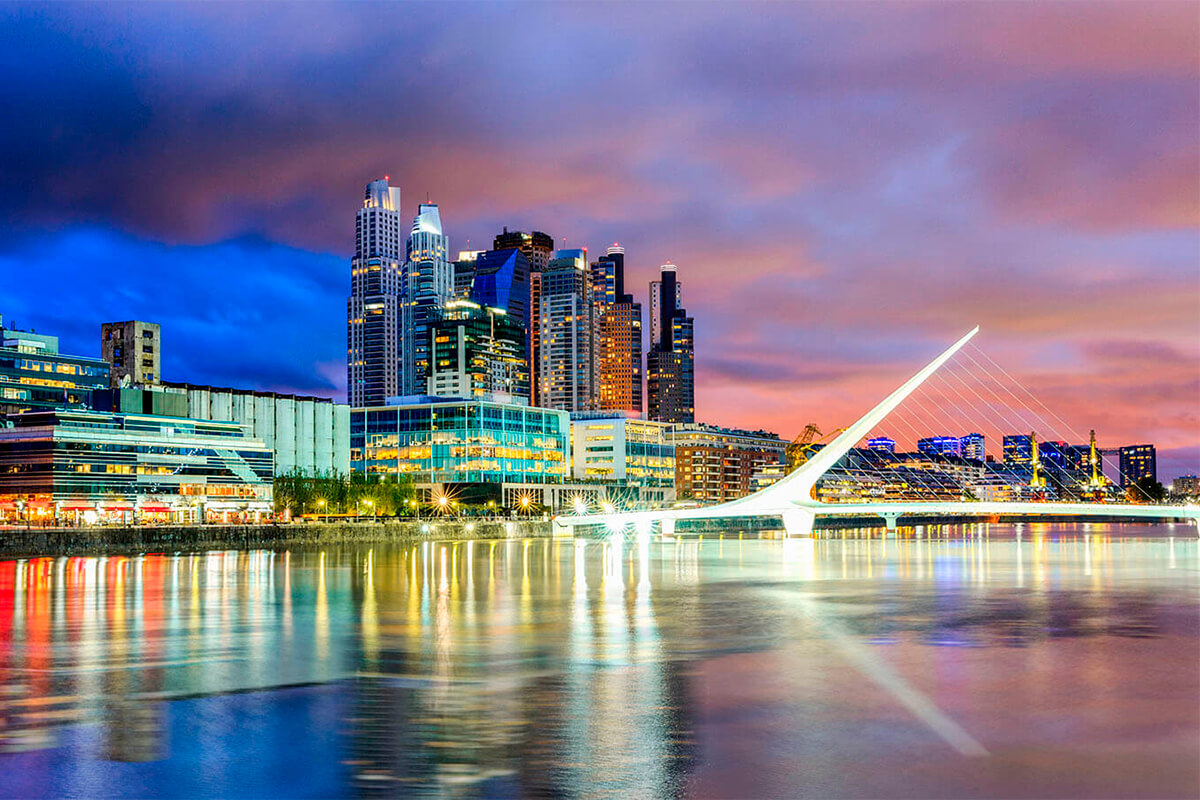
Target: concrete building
566, 336
373, 311
670, 364
35, 376
74, 465
308, 434
623, 448
134, 352
715, 464
973, 446
939, 446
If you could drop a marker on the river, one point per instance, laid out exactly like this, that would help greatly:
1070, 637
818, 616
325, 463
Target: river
971, 661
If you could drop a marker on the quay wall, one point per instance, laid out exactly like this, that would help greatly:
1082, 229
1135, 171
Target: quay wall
87, 541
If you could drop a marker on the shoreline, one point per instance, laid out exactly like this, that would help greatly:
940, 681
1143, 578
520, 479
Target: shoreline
132, 540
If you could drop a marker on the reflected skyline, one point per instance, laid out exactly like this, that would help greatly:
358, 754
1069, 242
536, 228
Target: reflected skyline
627, 665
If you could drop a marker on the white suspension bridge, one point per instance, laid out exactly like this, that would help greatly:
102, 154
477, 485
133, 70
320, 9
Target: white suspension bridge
792, 498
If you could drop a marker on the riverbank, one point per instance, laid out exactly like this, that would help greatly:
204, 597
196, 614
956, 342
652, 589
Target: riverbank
91, 541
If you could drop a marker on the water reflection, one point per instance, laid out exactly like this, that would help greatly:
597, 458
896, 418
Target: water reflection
624, 666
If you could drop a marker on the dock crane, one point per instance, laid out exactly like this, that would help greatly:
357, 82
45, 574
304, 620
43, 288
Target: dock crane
800, 448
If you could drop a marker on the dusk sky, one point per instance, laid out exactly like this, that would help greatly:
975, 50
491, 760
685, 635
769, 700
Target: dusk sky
845, 189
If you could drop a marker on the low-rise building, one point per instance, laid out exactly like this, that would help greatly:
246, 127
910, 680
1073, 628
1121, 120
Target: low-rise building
34, 375
75, 465
472, 447
621, 448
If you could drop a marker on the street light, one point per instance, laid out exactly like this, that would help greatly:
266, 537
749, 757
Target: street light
321, 503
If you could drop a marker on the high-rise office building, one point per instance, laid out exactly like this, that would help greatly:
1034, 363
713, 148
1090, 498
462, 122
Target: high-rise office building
538, 248
618, 364
427, 285
133, 352
656, 304
373, 311
1138, 461
477, 351
566, 353
670, 364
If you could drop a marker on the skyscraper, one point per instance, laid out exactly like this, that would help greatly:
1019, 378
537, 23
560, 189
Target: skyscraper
939, 446
670, 364
656, 304
373, 311
973, 446
618, 364
565, 361
538, 248
428, 284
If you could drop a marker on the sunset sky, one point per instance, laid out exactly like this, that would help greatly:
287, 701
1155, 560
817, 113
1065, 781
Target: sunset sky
845, 189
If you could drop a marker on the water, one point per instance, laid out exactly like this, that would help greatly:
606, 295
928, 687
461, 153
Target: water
971, 662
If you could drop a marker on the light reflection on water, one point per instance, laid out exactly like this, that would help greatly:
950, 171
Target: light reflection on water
1036, 661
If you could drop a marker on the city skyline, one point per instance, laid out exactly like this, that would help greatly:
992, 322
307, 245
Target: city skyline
818, 257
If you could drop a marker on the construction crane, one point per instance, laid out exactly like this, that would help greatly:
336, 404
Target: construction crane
802, 446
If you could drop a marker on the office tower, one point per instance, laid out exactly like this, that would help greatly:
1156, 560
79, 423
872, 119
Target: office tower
132, 351
656, 304
1138, 461
939, 446
618, 373
882, 444
538, 248
427, 285
501, 280
477, 351
464, 273
972, 446
373, 311
670, 364
565, 360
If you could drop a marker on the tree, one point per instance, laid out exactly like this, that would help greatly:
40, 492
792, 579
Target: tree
1145, 490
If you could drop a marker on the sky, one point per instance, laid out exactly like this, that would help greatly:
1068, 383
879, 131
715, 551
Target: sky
845, 188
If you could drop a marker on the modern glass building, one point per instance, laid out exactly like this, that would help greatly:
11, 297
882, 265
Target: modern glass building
477, 351
1138, 461
670, 364
72, 464
939, 446
34, 375
439, 440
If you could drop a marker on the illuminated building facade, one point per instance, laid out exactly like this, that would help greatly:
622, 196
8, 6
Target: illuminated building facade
566, 336
34, 375
1138, 461
717, 464
454, 441
477, 351
670, 364
427, 284
882, 444
939, 445
973, 446
538, 249
73, 464
619, 446
133, 352
1018, 449
618, 364
373, 311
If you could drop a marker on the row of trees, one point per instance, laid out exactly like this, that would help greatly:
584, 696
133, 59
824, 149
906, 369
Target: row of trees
337, 493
